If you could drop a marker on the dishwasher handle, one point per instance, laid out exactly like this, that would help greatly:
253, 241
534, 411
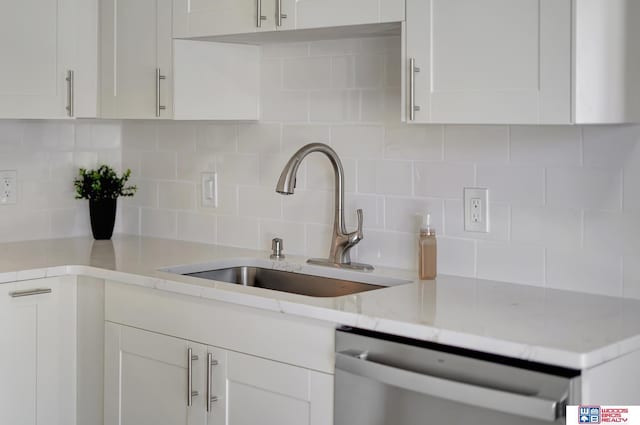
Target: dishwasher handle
357, 363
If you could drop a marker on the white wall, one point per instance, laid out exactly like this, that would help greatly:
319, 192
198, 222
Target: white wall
46, 156
565, 202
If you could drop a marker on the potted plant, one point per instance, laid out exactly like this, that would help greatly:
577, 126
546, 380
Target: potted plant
102, 187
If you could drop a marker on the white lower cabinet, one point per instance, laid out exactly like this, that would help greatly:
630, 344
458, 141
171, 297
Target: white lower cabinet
150, 377
37, 352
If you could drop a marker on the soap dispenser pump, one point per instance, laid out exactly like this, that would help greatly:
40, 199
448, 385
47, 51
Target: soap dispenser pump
427, 250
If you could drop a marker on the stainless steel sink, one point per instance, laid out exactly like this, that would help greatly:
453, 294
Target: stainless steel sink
278, 280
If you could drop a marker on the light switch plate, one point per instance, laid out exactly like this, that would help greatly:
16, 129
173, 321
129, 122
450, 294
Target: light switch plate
209, 194
476, 209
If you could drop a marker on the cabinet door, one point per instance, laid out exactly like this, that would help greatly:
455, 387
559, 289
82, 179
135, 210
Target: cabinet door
331, 13
36, 47
136, 42
195, 18
261, 391
489, 61
146, 379
37, 352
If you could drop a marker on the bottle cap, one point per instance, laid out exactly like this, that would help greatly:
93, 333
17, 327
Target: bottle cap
426, 224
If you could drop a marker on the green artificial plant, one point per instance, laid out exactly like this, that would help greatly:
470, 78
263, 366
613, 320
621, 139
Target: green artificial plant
103, 183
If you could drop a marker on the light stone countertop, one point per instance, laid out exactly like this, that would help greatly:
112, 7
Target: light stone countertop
546, 325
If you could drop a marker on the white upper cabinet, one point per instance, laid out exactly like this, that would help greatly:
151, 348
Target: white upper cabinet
332, 13
136, 65
489, 61
40, 41
521, 61
202, 18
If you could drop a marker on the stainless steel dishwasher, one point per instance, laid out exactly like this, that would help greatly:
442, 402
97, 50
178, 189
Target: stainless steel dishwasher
387, 380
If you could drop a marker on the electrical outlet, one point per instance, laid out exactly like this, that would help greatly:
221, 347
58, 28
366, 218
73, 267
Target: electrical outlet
8, 187
476, 209
209, 197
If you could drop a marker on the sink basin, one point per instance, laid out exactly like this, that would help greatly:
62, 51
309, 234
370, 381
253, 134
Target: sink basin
258, 273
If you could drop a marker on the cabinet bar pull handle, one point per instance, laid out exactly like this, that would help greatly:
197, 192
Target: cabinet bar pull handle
190, 392
279, 15
70, 83
412, 89
29, 292
210, 398
159, 106
261, 17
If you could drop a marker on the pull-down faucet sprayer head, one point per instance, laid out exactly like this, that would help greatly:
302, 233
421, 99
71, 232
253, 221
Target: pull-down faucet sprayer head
287, 182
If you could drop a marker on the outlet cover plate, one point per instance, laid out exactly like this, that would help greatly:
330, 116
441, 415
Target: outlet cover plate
476, 209
8, 187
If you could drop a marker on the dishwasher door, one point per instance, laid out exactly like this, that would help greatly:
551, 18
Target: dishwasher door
386, 380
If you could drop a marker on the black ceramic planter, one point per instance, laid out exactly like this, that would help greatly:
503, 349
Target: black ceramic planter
103, 217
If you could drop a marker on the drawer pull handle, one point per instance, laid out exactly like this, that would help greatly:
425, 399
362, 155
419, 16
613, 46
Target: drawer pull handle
190, 392
30, 292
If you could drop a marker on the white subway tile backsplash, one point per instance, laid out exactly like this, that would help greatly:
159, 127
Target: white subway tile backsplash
176, 137
547, 226
369, 70
286, 106
257, 201
584, 187
307, 73
197, 227
333, 106
610, 146
177, 195
420, 143
334, 47
391, 249
158, 223
308, 207
239, 231
442, 179
545, 145
191, 164
478, 144
358, 141
456, 256
596, 272
373, 105
259, 138
342, 72
238, 169
296, 136
612, 232
385, 177
405, 214
631, 277
216, 138
139, 135
511, 262
285, 50
158, 165
318, 240
516, 185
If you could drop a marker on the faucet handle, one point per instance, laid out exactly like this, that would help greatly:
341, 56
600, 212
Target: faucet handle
360, 220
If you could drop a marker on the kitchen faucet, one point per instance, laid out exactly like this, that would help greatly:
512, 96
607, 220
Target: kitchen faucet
341, 242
